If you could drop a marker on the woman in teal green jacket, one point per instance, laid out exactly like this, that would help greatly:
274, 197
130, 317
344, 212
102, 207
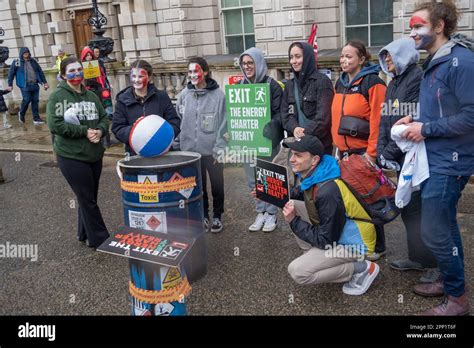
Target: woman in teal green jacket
78, 121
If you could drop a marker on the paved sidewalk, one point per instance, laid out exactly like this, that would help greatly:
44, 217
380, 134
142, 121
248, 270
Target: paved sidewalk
31, 138
71, 279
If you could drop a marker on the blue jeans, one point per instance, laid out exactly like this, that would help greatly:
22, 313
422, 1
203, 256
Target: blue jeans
439, 228
30, 94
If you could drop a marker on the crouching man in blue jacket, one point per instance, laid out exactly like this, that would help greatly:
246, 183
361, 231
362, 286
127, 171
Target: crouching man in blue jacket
446, 124
334, 245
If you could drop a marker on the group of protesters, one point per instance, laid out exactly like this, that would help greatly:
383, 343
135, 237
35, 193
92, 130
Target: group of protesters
443, 120
310, 130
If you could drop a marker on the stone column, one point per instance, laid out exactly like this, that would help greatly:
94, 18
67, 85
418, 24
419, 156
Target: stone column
59, 26
188, 28
34, 29
10, 23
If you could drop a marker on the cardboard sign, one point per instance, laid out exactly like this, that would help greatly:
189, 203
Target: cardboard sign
150, 246
248, 111
271, 183
91, 69
235, 79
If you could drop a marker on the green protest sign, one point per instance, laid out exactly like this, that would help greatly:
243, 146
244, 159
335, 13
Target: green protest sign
248, 111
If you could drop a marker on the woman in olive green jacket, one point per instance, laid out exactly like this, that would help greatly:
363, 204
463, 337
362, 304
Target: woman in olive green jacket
78, 121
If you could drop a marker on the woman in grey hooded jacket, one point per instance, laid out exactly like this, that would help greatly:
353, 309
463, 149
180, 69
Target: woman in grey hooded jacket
254, 68
399, 61
201, 106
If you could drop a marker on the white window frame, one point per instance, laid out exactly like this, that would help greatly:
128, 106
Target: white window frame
368, 25
224, 35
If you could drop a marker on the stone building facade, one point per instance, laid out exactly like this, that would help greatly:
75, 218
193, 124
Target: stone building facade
168, 32
175, 30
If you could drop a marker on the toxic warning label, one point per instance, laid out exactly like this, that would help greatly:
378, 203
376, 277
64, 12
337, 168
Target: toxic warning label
150, 221
147, 197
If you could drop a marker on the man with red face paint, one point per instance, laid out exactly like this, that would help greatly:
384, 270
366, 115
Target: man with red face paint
201, 107
142, 98
446, 124
78, 120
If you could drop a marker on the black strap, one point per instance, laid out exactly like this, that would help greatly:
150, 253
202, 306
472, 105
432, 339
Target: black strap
302, 119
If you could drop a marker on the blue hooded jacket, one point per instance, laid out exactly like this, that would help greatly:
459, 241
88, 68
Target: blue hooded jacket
18, 71
447, 110
326, 170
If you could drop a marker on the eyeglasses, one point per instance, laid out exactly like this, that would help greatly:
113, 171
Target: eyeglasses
249, 64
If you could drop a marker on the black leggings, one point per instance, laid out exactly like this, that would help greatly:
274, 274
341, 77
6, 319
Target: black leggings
83, 177
216, 176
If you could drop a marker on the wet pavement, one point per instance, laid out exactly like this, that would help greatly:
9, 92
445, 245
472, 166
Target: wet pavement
247, 272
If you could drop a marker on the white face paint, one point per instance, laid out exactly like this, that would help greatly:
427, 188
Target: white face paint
345, 62
195, 73
74, 67
420, 31
74, 73
139, 78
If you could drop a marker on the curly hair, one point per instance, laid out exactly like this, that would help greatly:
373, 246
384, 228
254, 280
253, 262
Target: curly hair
445, 10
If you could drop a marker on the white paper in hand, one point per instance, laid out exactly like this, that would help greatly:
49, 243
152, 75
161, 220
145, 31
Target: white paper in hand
70, 116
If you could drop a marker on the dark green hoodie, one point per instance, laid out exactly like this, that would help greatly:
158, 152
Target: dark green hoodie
71, 139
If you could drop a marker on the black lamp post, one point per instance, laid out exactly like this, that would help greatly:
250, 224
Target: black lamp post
105, 44
4, 51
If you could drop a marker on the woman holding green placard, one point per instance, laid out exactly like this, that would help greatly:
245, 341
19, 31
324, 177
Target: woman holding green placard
307, 99
254, 69
201, 107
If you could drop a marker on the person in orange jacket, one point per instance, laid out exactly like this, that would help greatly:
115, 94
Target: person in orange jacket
356, 111
357, 104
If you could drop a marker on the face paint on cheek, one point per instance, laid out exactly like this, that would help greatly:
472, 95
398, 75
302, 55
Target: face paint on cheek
425, 35
345, 62
139, 78
197, 75
422, 31
74, 75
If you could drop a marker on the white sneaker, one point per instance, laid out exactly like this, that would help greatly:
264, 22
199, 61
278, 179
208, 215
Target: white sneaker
360, 282
270, 222
258, 223
216, 226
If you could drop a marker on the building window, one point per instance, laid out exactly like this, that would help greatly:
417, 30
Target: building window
238, 25
370, 21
